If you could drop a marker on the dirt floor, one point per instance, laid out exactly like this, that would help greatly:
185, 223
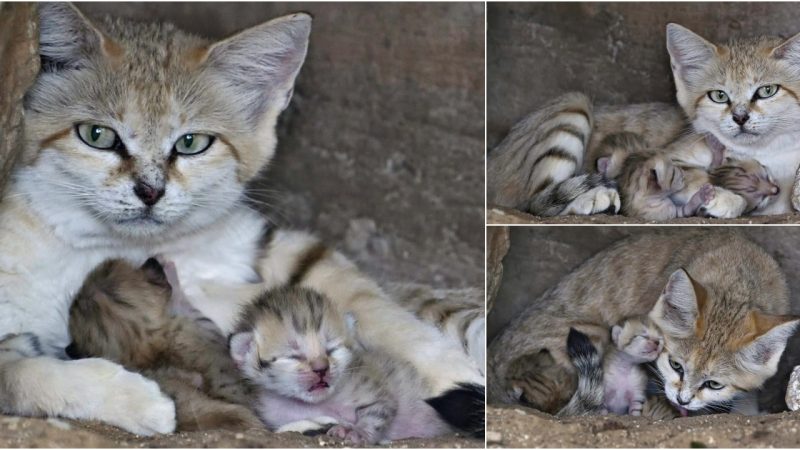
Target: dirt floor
522, 427
497, 215
25, 432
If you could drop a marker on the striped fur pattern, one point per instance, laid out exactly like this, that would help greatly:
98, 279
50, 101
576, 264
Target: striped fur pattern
588, 397
124, 314
543, 151
748, 178
459, 314
303, 354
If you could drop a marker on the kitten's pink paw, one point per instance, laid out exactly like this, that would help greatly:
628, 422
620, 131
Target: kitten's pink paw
706, 193
348, 434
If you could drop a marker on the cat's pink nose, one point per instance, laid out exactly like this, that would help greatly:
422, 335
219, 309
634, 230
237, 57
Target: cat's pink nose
147, 193
319, 366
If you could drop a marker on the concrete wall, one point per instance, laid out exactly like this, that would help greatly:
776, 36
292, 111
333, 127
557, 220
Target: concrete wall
614, 51
382, 148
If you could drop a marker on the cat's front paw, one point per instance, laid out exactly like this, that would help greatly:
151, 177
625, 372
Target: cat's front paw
600, 199
351, 435
137, 404
724, 205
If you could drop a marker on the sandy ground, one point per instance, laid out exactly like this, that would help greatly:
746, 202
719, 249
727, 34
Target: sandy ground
27, 432
497, 215
522, 427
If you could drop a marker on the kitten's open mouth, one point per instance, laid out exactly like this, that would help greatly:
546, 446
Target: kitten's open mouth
320, 385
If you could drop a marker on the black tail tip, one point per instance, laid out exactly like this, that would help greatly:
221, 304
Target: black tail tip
579, 344
463, 408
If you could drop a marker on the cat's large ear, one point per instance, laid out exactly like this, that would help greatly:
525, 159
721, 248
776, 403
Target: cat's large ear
789, 50
259, 65
688, 51
681, 302
67, 38
767, 336
242, 346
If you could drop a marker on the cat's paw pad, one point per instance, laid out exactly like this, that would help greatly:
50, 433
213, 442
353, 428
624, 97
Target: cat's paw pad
139, 406
600, 199
349, 434
724, 205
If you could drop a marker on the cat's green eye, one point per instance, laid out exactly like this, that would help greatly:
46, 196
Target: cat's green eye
193, 144
713, 385
767, 91
718, 96
97, 136
676, 366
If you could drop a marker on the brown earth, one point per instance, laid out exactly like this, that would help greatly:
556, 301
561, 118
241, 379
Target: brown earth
33, 432
523, 427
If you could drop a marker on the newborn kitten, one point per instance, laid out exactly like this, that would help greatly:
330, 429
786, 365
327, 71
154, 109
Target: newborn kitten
124, 314
748, 178
651, 186
301, 351
636, 342
616, 383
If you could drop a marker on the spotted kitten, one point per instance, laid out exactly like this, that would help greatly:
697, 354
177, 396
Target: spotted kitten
303, 355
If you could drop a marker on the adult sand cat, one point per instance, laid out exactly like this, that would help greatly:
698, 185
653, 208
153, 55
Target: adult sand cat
718, 299
741, 95
140, 139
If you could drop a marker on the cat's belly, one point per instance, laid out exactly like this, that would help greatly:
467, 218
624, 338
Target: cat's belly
416, 419
276, 410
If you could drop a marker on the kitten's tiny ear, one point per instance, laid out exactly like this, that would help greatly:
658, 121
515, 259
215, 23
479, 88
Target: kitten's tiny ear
679, 306
770, 335
67, 37
261, 63
602, 165
154, 272
789, 50
687, 50
616, 330
241, 346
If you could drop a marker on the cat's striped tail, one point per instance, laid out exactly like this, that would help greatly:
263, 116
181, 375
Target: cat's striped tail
588, 397
535, 168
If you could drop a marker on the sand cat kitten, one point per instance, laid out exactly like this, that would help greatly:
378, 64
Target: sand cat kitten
139, 141
301, 352
617, 383
749, 179
740, 95
722, 318
123, 314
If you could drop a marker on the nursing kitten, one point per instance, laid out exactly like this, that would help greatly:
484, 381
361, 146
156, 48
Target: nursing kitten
617, 383
749, 179
124, 314
719, 301
720, 90
297, 259
303, 355
140, 140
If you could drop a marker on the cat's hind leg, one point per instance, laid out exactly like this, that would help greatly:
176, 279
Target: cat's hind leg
87, 389
533, 168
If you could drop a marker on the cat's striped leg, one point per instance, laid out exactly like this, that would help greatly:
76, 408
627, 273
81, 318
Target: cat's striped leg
32, 384
532, 167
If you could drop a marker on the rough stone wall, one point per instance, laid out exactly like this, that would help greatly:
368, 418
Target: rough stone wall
616, 52
381, 150
19, 39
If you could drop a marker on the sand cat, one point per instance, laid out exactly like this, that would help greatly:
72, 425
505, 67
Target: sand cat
302, 353
140, 140
719, 301
124, 314
544, 164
